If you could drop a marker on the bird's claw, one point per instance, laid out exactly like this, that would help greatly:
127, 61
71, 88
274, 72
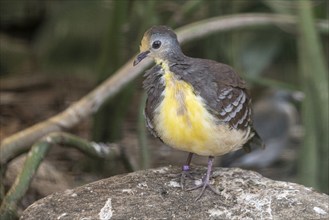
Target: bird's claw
205, 184
185, 174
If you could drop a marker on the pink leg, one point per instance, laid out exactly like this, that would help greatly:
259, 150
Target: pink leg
186, 170
205, 182
186, 166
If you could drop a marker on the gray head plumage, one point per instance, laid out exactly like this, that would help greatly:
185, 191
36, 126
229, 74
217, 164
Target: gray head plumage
159, 43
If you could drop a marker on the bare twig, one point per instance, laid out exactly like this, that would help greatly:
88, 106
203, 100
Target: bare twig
35, 157
21, 141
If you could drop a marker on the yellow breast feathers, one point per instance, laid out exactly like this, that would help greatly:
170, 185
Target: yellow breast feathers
183, 122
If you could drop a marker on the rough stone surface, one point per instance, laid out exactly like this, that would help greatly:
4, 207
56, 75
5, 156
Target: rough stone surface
156, 194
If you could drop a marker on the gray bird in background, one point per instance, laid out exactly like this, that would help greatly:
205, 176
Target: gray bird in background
276, 120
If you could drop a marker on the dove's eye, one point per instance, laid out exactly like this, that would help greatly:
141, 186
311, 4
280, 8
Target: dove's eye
156, 44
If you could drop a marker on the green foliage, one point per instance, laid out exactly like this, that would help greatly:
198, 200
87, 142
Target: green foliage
69, 41
313, 161
108, 121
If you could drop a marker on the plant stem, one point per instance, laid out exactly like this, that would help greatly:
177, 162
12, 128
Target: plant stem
35, 157
313, 160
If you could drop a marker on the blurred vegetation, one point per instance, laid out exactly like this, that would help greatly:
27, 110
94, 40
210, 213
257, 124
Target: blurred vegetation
313, 161
94, 38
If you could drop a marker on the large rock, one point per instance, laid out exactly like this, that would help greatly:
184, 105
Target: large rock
155, 194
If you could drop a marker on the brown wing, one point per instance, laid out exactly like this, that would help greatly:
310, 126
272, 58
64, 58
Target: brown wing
234, 107
222, 89
234, 104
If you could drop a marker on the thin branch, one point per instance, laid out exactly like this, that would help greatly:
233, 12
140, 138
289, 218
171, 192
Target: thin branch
35, 156
21, 141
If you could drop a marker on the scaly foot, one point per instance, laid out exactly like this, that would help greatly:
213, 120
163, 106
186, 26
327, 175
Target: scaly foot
185, 174
205, 181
